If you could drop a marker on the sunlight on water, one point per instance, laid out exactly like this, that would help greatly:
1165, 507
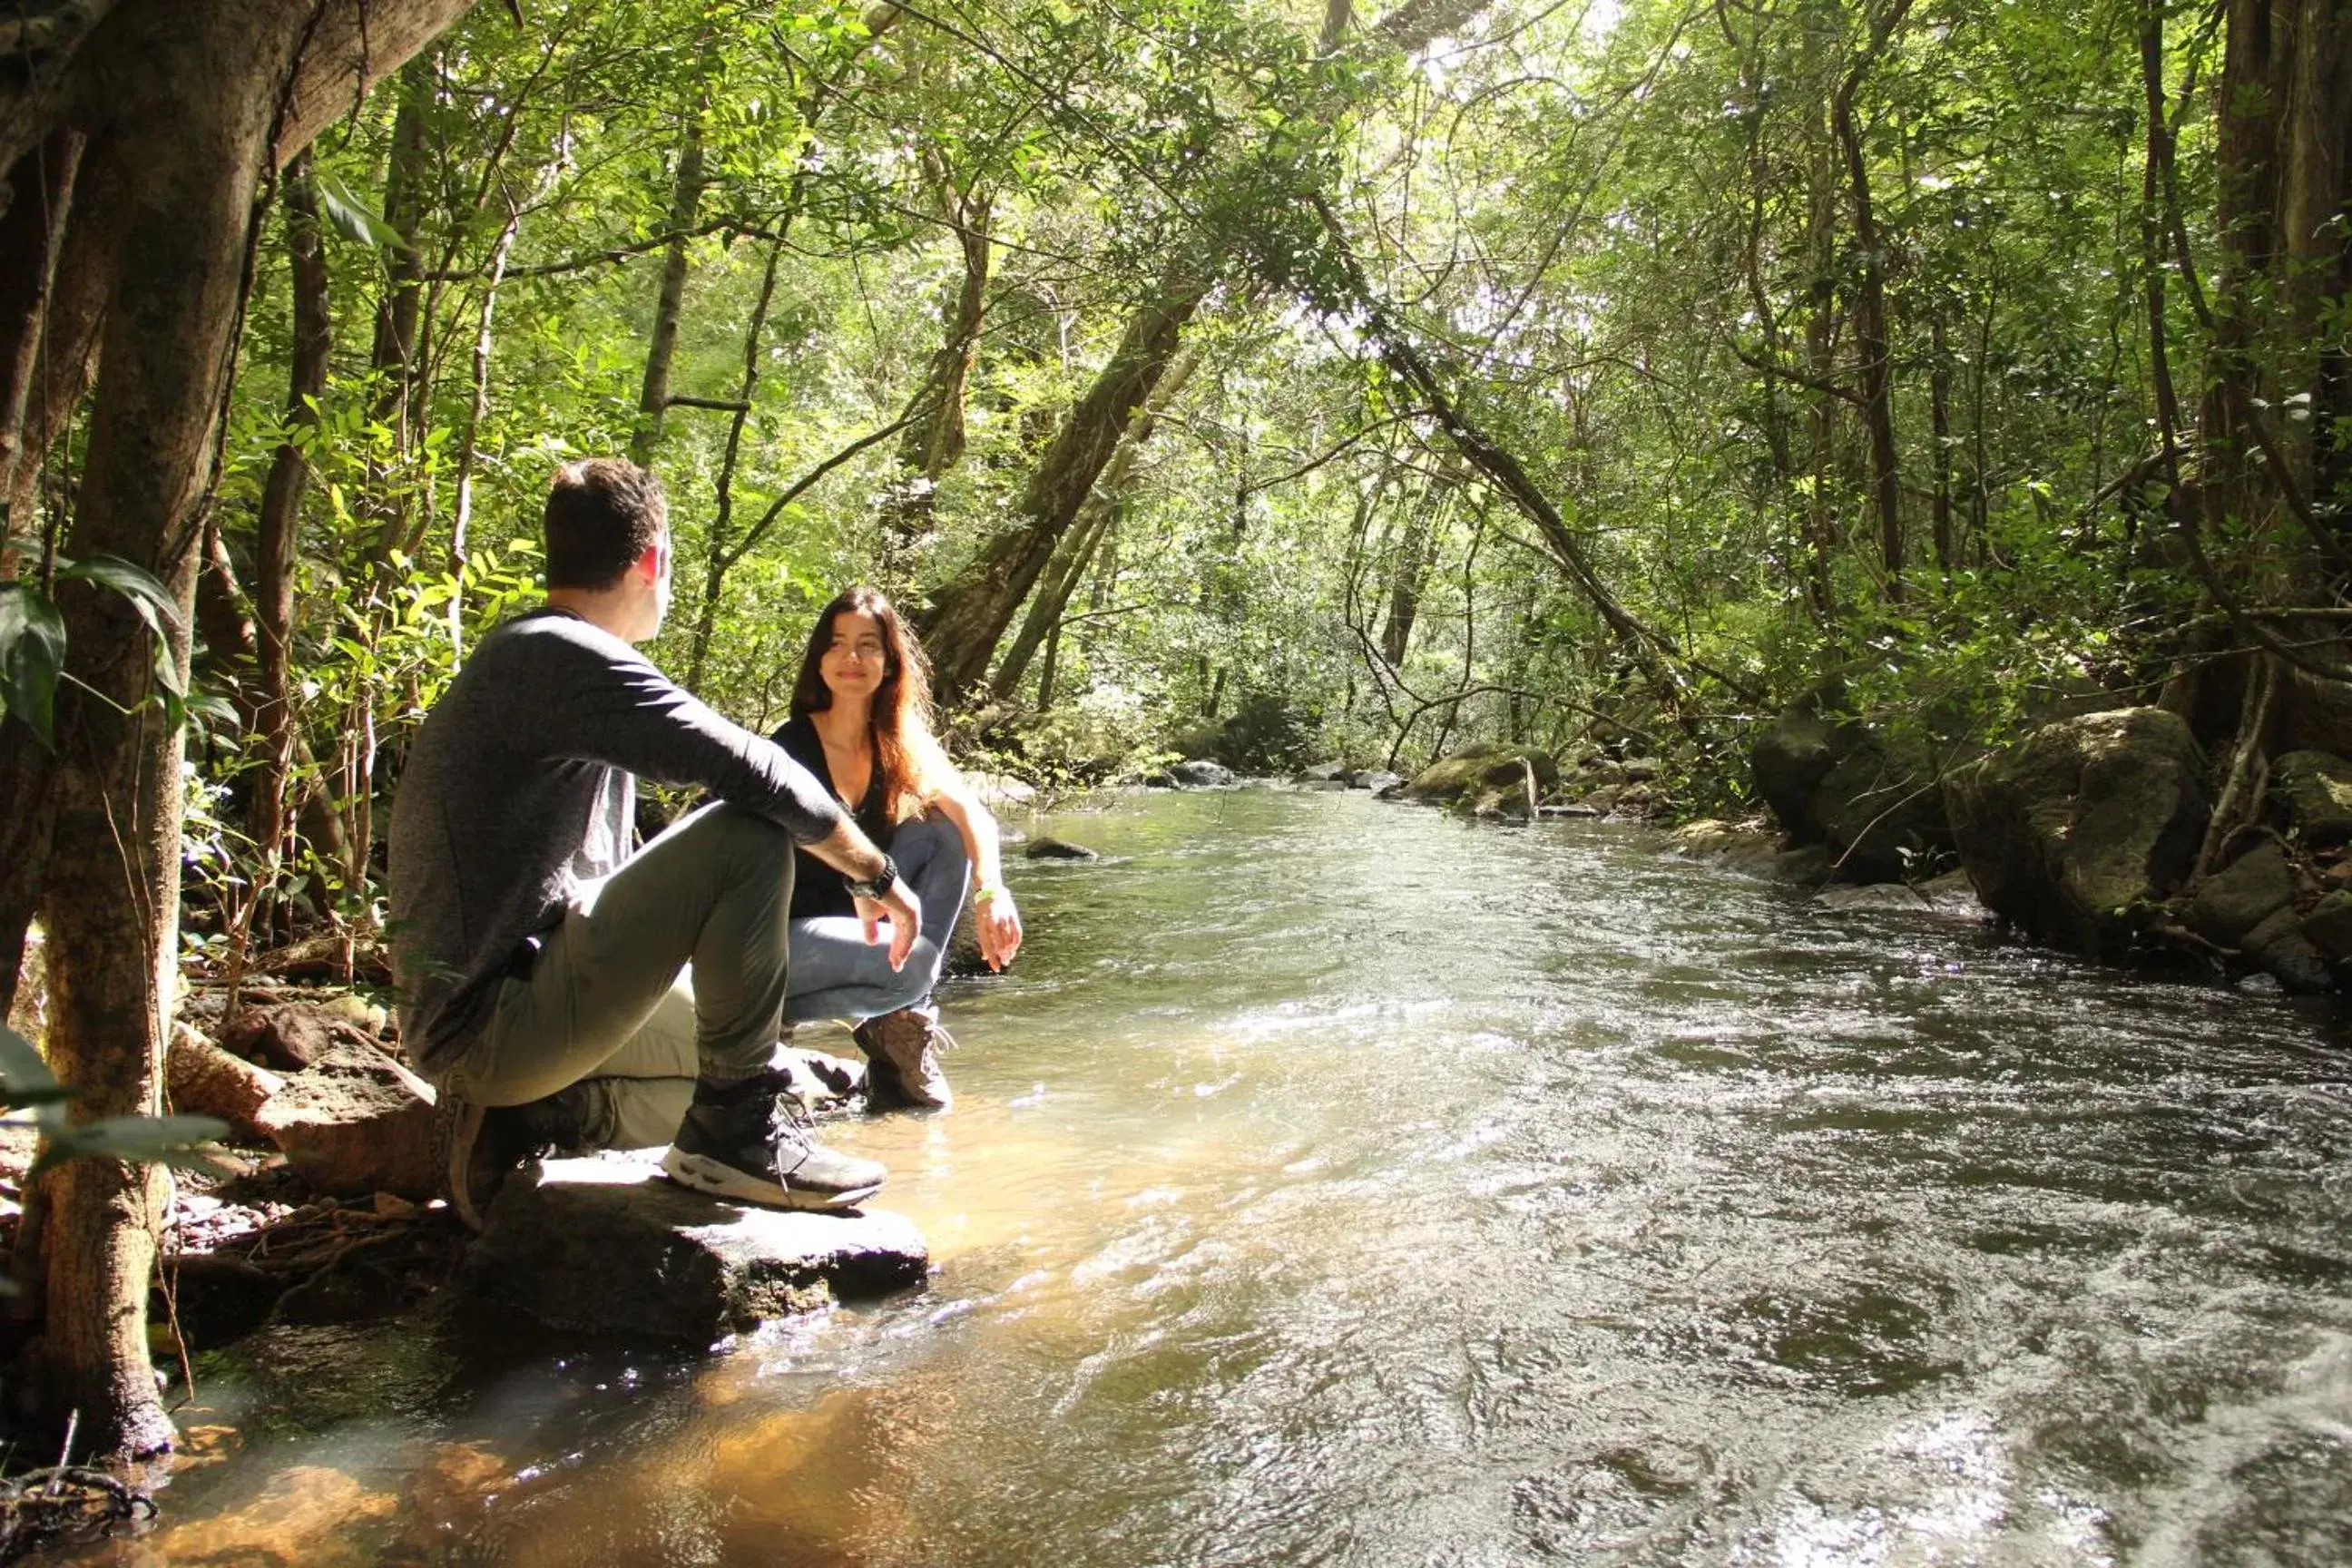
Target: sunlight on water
1334, 1183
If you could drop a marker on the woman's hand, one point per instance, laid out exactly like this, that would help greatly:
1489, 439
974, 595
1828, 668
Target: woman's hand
998, 921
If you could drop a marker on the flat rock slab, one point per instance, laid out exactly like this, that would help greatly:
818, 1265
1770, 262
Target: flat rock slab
609, 1246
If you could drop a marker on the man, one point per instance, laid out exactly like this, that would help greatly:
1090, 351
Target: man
533, 951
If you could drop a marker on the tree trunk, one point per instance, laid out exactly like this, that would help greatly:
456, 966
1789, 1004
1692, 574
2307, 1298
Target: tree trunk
968, 617
395, 373
1870, 328
685, 202
1939, 418
1096, 521
934, 445
276, 549
31, 236
1820, 351
1416, 555
2284, 179
189, 92
469, 446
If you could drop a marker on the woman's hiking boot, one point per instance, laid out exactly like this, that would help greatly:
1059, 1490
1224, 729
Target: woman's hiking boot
903, 1052
750, 1141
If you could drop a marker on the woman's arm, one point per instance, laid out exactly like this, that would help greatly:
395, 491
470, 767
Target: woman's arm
994, 915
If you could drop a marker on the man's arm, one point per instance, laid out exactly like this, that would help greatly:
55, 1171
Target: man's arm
848, 851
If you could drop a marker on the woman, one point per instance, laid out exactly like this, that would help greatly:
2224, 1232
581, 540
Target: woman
861, 720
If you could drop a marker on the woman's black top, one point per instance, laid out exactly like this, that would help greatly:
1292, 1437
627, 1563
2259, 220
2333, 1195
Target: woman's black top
817, 888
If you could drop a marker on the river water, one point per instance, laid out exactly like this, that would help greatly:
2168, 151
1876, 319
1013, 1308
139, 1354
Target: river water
1337, 1182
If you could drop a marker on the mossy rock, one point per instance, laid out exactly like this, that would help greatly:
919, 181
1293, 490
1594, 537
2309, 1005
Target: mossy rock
2078, 832
2316, 790
1483, 771
2239, 896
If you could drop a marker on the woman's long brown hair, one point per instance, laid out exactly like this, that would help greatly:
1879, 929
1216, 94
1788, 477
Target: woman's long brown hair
914, 768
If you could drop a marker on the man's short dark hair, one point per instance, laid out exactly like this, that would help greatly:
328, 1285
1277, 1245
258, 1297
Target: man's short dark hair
602, 515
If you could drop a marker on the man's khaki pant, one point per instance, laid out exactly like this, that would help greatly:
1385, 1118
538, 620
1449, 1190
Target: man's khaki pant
608, 995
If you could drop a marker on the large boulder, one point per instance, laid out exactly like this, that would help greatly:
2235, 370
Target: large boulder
1791, 757
609, 1246
2241, 895
1196, 773
1486, 779
2316, 790
1881, 809
353, 1123
2075, 833
2328, 928
2280, 946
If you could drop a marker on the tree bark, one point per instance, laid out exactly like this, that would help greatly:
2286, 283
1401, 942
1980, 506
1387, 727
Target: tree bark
684, 201
189, 97
276, 549
933, 446
1099, 516
1416, 556
967, 618
1870, 328
406, 173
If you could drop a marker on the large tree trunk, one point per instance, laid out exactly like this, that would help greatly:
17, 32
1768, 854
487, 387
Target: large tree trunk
186, 168
1096, 521
967, 618
181, 97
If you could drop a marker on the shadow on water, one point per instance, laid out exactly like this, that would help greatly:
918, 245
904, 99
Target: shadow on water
1334, 1183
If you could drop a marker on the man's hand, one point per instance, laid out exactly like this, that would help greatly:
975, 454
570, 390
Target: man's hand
903, 910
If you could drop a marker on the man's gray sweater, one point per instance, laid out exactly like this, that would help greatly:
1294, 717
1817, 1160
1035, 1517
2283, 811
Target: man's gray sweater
521, 786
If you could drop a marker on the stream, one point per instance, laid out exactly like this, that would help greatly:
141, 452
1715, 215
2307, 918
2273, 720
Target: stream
1333, 1181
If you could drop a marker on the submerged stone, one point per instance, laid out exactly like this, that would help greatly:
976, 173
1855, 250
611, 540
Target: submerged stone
1059, 849
609, 1246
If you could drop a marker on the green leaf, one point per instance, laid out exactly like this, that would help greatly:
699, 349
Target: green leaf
353, 218
175, 1141
32, 655
153, 601
25, 1080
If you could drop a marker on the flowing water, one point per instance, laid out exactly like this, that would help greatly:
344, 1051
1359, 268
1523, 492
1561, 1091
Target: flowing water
1335, 1183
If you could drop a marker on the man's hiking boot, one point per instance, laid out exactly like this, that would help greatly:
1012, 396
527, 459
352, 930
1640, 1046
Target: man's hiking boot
478, 1147
903, 1050
750, 1141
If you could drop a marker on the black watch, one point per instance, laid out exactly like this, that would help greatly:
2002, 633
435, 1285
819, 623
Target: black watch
879, 883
